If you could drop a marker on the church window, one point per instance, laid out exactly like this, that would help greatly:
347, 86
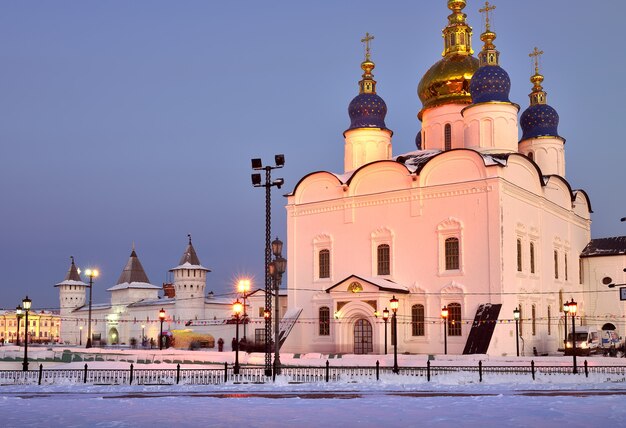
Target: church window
531, 156
556, 264
383, 259
549, 320
532, 257
565, 266
454, 319
581, 275
519, 255
324, 319
417, 320
324, 263
533, 314
448, 136
452, 253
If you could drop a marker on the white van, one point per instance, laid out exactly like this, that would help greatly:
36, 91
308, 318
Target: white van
588, 341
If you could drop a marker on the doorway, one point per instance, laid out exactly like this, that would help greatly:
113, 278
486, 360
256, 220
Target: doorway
363, 343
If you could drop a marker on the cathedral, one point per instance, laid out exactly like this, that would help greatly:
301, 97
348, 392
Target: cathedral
477, 224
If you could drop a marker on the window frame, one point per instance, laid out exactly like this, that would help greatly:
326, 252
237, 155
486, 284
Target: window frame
323, 263
455, 319
418, 321
323, 314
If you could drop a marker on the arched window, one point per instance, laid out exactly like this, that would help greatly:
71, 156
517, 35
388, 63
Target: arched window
452, 253
532, 257
448, 136
531, 156
556, 264
383, 259
533, 314
417, 320
324, 319
454, 319
324, 263
565, 266
519, 255
549, 320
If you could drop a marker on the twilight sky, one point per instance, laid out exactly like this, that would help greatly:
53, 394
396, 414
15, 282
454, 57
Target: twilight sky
126, 122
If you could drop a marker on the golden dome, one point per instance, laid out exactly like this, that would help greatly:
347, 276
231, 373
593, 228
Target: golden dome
447, 81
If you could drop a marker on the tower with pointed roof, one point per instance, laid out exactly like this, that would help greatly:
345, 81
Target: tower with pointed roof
72, 290
367, 139
133, 283
491, 120
444, 88
540, 137
190, 285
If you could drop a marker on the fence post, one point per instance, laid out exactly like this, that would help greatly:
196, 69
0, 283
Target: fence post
480, 371
41, 371
130, 380
177, 373
428, 370
532, 368
377, 370
586, 369
225, 372
327, 370
85, 375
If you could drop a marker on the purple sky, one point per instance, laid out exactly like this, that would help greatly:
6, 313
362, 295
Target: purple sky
126, 122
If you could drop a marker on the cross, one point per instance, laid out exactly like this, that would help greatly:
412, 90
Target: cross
488, 8
367, 39
535, 54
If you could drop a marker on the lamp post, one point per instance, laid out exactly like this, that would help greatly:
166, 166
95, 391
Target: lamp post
385, 319
516, 316
161, 318
573, 307
91, 273
80, 336
19, 313
143, 334
277, 268
565, 312
243, 286
444, 316
26, 302
257, 165
237, 310
393, 303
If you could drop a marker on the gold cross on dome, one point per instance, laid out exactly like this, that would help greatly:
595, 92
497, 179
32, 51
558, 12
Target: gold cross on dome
535, 54
367, 39
488, 8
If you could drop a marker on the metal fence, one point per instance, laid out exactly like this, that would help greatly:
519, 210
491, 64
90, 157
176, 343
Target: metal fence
293, 374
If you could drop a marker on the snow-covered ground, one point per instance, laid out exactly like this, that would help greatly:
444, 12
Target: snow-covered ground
457, 399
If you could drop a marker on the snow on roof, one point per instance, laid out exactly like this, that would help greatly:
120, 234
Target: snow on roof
188, 265
612, 246
126, 285
153, 302
382, 283
94, 306
71, 282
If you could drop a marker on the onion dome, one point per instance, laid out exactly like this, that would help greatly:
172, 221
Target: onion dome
539, 119
448, 80
367, 110
490, 82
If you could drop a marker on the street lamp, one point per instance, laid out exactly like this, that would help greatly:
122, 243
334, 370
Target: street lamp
444, 316
565, 312
573, 307
243, 287
277, 268
19, 313
386, 318
393, 303
257, 165
516, 316
161, 318
91, 273
80, 336
237, 310
143, 334
26, 302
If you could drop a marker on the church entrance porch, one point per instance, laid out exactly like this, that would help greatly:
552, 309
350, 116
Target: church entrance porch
114, 337
363, 343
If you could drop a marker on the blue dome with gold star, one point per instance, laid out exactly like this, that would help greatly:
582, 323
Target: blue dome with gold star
539, 120
367, 110
490, 83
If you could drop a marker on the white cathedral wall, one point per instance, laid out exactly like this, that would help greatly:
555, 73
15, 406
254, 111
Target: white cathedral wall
603, 304
547, 152
433, 126
491, 127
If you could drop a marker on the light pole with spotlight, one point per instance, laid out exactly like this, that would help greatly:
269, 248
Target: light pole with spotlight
91, 273
26, 302
257, 165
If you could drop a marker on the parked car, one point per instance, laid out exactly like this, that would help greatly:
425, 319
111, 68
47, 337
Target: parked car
587, 341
